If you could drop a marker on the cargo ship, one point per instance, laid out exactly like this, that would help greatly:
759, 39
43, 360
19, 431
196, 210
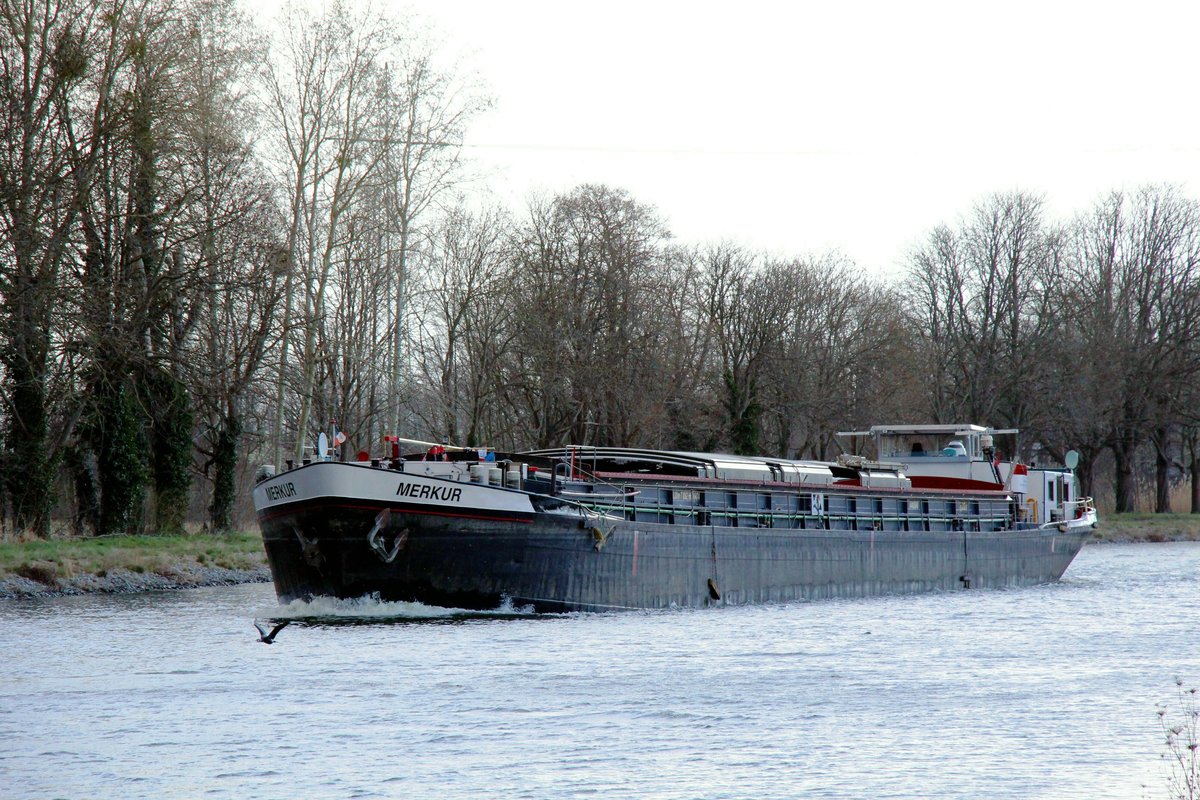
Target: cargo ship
909, 508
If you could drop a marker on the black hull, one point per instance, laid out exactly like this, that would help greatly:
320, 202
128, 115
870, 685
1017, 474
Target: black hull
561, 562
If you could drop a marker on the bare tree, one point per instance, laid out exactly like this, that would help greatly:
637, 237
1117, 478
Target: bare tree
427, 110
372, 131
1137, 273
123, 163
590, 265
981, 297
233, 247
694, 416
747, 309
938, 287
356, 46
839, 358
465, 325
326, 81
46, 53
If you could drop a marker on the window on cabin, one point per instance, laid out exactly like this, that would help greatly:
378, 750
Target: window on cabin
1050, 491
687, 497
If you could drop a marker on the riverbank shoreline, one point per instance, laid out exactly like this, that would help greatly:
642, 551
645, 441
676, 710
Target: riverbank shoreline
1142, 528
129, 564
123, 581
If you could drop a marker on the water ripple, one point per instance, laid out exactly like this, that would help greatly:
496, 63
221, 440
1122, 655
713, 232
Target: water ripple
1041, 692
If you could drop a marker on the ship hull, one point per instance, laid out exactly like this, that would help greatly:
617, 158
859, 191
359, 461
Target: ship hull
478, 554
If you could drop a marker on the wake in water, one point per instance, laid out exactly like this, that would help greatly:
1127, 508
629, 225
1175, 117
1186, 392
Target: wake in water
371, 609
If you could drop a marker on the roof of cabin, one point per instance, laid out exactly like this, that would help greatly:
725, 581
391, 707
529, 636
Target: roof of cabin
952, 429
628, 459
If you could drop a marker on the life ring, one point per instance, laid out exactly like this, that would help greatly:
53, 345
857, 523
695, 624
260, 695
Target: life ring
1032, 503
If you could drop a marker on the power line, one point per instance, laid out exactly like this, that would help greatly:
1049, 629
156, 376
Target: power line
621, 150
882, 151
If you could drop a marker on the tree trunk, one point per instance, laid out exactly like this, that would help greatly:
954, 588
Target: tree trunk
395, 391
171, 455
1162, 472
120, 452
225, 460
289, 291
1084, 473
29, 471
1124, 452
744, 416
87, 499
1192, 443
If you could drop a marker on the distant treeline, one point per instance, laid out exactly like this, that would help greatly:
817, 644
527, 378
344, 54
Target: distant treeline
218, 239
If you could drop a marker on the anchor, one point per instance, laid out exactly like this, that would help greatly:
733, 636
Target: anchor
309, 549
384, 520
599, 534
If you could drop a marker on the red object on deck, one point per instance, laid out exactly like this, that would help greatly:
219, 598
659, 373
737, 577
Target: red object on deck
395, 440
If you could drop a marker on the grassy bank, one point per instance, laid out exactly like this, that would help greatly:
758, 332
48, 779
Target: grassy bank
1140, 527
52, 560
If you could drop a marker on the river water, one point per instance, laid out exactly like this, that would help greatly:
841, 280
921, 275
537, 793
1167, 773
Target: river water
1042, 692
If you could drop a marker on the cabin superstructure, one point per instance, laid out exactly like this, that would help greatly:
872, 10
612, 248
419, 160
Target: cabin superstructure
962, 456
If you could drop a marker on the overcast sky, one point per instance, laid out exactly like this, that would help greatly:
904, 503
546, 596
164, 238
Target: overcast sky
807, 126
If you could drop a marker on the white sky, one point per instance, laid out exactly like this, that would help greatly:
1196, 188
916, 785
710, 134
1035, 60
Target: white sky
806, 126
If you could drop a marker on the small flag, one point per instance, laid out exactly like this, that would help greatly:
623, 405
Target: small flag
339, 437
